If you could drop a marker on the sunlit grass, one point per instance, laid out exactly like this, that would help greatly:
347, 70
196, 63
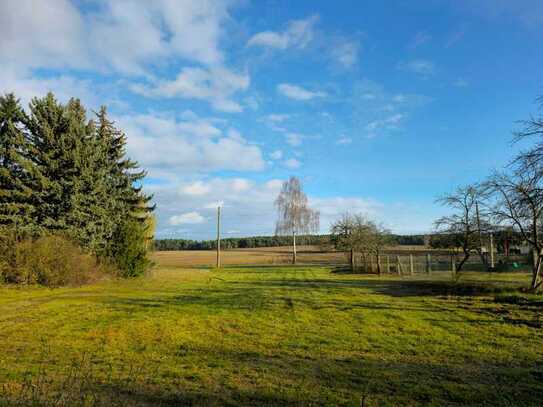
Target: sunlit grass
275, 335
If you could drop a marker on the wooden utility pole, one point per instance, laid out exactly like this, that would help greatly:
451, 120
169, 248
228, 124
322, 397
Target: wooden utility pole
293, 247
218, 237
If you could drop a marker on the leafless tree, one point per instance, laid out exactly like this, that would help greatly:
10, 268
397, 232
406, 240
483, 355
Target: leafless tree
516, 198
295, 216
466, 225
355, 233
532, 158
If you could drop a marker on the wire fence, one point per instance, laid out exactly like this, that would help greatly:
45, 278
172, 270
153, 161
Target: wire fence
401, 263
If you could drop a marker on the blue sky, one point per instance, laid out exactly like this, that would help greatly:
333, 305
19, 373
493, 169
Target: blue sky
379, 107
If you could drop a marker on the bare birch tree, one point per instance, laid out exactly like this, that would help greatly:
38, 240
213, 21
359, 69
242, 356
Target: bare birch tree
295, 216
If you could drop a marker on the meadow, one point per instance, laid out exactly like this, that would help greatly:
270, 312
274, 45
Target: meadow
273, 334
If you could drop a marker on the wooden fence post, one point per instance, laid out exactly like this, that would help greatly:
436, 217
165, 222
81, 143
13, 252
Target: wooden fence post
400, 272
371, 264
453, 263
411, 264
388, 264
428, 263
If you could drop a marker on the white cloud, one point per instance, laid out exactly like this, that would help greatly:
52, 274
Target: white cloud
345, 53
269, 39
461, 83
419, 39
196, 189
248, 206
526, 12
274, 184
251, 212
216, 85
41, 33
298, 93
64, 87
292, 164
252, 102
298, 34
240, 184
165, 145
418, 66
274, 121
388, 123
384, 111
277, 118
344, 140
123, 36
214, 205
332, 208
276, 155
128, 37
294, 139
189, 218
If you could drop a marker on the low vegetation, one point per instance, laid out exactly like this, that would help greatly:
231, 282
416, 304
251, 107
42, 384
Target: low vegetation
52, 261
274, 335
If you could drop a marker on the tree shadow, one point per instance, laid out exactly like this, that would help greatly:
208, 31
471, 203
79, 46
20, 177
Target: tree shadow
289, 378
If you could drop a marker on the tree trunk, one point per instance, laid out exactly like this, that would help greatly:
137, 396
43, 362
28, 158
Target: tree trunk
293, 247
461, 264
536, 270
352, 259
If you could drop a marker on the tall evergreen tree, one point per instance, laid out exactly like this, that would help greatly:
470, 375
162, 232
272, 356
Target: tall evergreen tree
88, 214
52, 153
126, 201
16, 170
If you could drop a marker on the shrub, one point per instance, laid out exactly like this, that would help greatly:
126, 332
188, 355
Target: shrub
51, 260
129, 249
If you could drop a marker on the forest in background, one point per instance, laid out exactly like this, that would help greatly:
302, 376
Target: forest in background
268, 241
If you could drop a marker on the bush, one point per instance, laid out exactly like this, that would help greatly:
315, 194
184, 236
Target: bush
52, 261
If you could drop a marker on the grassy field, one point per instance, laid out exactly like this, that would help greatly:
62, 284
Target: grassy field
260, 256
273, 335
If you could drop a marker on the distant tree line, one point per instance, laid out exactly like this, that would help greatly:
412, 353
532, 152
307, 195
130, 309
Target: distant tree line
63, 173
238, 242
268, 241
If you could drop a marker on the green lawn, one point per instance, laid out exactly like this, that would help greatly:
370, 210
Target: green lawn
274, 336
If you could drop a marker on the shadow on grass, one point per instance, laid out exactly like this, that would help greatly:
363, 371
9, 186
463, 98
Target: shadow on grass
402, 287
289, 379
